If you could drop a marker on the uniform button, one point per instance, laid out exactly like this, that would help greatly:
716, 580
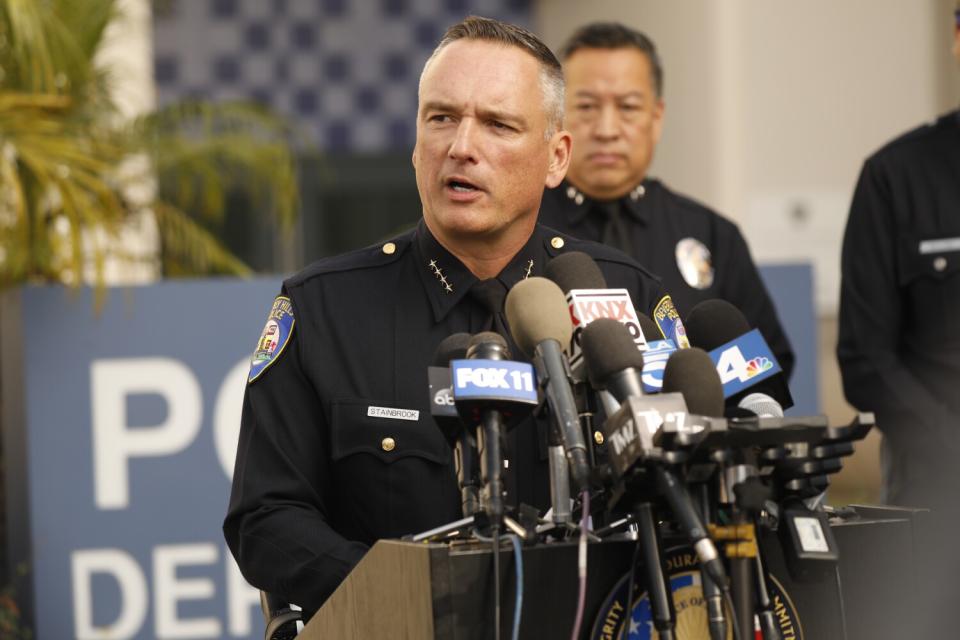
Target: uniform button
571, 192
940, 263
388, 444
598, 437
389, 248
578, 199
556, 242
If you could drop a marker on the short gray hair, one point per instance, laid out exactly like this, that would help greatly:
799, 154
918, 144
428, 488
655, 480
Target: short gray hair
490, 30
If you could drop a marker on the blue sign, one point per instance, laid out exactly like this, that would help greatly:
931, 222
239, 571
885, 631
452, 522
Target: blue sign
654, 362
744, 362
493, 380
132, 417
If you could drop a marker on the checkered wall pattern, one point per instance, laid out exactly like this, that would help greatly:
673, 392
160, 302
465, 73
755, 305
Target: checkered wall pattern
345, 71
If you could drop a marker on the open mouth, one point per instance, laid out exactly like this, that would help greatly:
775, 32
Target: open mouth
461, 186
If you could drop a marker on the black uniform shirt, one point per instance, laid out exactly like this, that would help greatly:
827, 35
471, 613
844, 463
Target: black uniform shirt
656, 222
899, 340
321, 473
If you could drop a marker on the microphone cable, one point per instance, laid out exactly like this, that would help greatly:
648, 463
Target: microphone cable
518, 562
518, 602
582, 563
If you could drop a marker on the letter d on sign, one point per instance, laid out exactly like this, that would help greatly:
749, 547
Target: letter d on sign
114, 443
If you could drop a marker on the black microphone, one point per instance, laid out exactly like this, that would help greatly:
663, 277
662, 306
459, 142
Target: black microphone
691, 373
539, 319
713, 323
612, 359
490, 346
444, 412
575, 270
442, 407
615, 367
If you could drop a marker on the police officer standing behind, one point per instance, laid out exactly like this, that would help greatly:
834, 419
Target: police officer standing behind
614, 110
899, 336
337, 445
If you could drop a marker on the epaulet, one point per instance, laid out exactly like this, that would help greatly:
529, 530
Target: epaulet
375, 255
556, 243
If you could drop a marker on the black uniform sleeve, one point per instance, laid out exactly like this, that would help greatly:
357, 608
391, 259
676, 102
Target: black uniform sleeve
277, 522
875, 377
745, 289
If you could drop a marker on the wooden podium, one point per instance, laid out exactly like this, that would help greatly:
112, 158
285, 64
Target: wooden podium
420, 591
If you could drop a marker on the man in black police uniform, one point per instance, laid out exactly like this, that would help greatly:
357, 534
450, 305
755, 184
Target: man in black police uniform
614, 110
337, 446
899, 339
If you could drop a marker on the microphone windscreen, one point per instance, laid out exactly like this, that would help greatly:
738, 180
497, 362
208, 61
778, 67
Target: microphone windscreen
453, 347
712, 323
691, 372
651, 330
575, 270
608, 348
537, 310
488, 344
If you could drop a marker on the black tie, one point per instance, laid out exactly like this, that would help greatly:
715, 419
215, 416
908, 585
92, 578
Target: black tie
490, 294
615, 233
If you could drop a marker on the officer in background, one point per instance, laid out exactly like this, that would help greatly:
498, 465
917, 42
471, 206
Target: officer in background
614, 110
337, 445
899, 337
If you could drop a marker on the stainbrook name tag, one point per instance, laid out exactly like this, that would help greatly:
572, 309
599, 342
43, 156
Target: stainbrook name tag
393, 414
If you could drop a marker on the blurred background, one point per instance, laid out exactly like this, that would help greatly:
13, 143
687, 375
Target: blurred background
143, 141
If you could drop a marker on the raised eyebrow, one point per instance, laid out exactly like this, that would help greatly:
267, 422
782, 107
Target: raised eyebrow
436, 105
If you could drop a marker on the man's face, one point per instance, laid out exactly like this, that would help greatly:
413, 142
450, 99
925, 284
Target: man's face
615, 117
482, 159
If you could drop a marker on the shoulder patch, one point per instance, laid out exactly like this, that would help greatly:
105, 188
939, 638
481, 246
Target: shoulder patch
668, 320
275, 336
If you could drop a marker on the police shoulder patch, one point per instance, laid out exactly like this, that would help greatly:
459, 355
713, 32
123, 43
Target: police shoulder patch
275, 336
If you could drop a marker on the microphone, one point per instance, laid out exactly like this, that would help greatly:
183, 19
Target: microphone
444, 412
691, 372
538, 317
588, 299
490, 390
614, 365
744, 361
442, 407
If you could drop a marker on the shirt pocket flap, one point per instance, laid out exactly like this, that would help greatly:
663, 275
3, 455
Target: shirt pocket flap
936, 258
389, 433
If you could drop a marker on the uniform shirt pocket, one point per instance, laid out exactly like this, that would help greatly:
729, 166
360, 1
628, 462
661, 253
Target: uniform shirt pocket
388, 432
929, 276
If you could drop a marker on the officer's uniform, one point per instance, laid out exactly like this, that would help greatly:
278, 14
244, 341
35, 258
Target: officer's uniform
697, 253
899, 342
337, 445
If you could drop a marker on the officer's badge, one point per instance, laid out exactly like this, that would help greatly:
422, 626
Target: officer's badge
693, 260
276, 334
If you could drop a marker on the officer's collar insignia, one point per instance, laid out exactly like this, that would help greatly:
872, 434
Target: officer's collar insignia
438, 272
529, 270
274, 338
694, 263
574, 194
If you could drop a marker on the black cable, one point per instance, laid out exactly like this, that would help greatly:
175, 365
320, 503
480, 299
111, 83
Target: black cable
495, 533
633, 570
735, 622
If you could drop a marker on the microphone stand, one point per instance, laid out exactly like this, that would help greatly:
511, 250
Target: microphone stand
661, 602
